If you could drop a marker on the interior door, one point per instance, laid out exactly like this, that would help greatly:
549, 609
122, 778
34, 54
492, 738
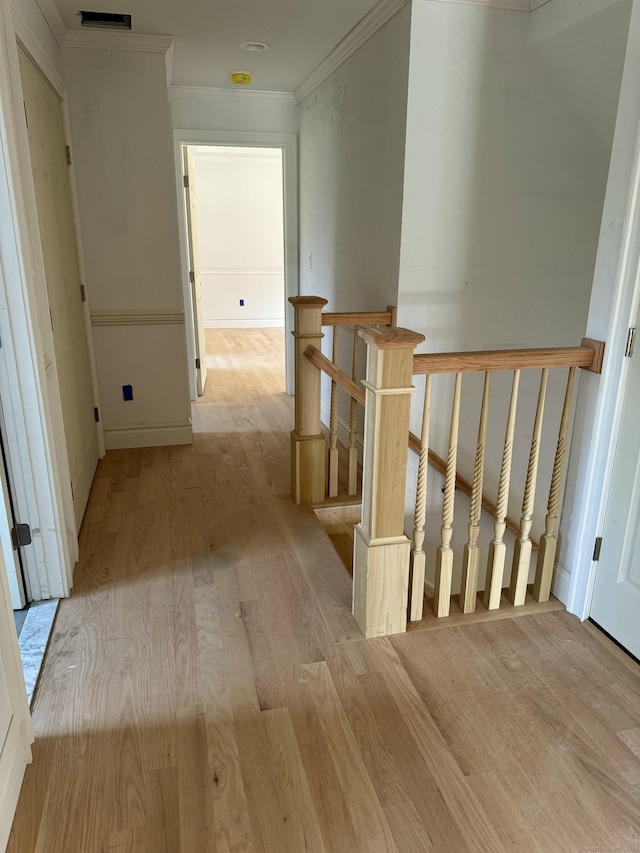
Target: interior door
194, 271
9, 549
50, 167
616, 598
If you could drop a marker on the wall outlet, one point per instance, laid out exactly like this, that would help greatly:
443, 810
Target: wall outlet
242, 303
127, 393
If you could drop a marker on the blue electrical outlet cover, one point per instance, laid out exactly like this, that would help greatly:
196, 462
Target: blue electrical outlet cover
127, 392
242, 303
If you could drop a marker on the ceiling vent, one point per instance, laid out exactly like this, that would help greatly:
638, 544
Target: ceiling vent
105, 20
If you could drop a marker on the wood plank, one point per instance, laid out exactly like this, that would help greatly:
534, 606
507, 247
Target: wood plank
515, 359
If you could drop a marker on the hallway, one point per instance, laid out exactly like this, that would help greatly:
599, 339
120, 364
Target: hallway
207, 689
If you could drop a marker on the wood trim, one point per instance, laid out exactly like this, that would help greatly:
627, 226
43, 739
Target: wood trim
358, 318
117, 41
316, 357
206, 93
147, 435
307, 301
138, 317
391, 338
598, 358
372, 22
585, 356
465, 486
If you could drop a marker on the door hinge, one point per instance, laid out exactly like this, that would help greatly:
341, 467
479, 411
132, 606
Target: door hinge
20, 535
596, 549
192, 276
96, 414
83, 293
631, 342
185, 181
67, 151
197, 364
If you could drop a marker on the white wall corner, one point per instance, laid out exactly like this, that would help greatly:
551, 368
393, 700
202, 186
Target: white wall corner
210, 93
36, 49
372, 22
52, 16
108, 40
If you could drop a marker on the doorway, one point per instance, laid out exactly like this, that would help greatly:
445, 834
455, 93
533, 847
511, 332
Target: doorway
615, 606
235, 237
244, 284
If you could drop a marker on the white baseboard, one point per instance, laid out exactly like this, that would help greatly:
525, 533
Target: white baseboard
149, 435
561, 583
245, 324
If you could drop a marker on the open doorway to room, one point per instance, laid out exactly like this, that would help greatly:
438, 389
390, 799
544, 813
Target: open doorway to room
235, 236
240, 203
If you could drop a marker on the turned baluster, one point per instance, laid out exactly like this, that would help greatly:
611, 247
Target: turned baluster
353, 422
497, 547
523, 546
307, 441
381, 549
471, 559
418, 556
333, 424
548, 540
444, 556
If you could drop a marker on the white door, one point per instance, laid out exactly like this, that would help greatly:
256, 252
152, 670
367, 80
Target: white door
50, 167
194, 271
15, 725
616, 598
10, 554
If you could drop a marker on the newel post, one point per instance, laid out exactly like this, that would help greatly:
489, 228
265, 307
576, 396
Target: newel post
381, 549
307, 442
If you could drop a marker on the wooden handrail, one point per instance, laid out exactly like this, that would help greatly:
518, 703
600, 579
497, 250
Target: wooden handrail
316, 357
588, 356
464, 485
359, 318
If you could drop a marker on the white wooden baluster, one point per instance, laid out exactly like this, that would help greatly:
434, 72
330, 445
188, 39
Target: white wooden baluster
353, 423
418, 556
497, 547
523, 547
548, 540
471, 559
444, 558
333, 424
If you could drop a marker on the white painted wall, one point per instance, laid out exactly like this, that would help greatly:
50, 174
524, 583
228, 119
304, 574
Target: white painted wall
242, 111
351, 166
123, 150
506, 166
241, 240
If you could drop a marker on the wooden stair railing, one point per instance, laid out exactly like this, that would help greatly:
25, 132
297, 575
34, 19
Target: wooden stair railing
389, 568
587, 356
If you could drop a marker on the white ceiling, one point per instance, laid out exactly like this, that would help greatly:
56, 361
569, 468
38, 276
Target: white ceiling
208, 34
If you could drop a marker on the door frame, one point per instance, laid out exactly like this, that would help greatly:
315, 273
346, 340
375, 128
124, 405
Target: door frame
615, 300
288, 143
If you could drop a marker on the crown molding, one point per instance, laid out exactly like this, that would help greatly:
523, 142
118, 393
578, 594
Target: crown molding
535, 4
373, 21
210, 93
113, 40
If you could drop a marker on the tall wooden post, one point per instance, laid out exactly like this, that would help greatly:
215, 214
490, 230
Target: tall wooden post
381, 549
307, 441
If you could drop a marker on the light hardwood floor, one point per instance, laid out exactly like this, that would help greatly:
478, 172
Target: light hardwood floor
207, 689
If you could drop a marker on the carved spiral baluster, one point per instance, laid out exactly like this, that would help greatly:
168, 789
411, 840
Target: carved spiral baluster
523, 546
353, 422
548, 540
444, 558
498, 548
333, 424
418, 556
471, 559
